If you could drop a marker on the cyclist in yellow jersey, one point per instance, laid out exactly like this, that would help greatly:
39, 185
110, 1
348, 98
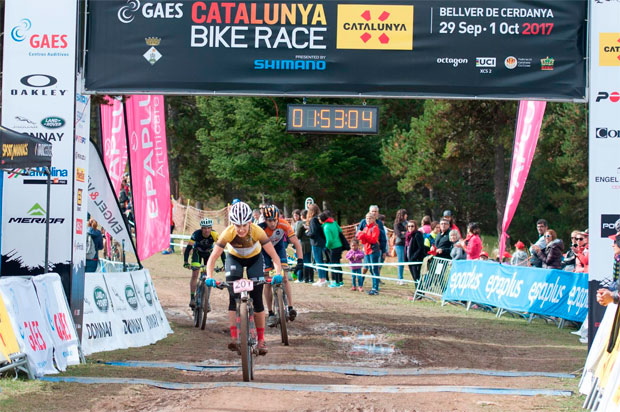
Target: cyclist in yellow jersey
243, 242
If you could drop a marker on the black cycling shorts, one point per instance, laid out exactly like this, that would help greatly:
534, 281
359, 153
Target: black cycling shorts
234, 271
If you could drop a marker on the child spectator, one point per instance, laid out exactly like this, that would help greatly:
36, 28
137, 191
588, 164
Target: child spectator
484, 255
520, 257
355, 255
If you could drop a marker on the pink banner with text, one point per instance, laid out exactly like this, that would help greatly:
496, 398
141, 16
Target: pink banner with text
148, 156
526, 137
114, 140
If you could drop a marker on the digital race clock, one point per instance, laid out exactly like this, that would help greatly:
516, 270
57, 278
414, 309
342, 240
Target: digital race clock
317, 118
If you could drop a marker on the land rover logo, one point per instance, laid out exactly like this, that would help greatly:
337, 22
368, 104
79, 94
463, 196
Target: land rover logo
130, 295
52, 122
147, 294
101, 299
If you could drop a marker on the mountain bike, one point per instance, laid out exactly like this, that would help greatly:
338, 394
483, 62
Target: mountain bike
247, 340
280, 306
203, 293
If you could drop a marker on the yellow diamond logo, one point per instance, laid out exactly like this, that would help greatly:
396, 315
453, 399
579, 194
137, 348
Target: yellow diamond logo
609, 49
375, 27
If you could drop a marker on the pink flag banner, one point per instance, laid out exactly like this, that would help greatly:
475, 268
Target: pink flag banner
528, 129
114, 140
148, 156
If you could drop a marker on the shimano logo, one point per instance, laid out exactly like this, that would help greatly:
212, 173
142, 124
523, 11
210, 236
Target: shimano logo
126, 13
289, 65
453, 61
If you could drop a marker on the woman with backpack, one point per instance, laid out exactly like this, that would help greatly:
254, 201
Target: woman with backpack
94, 243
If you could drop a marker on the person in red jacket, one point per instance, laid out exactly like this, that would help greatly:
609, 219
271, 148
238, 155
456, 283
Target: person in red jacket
369, 237
472, 243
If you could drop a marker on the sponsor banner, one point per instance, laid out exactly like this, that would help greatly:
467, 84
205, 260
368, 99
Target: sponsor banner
80, 218
8, 341
153, 312
114, 140
148, 158
100, 331
28, 320
103, 204
38, 95
128, 310
53, 303
528, 128
543, 291
516, 49
604, 145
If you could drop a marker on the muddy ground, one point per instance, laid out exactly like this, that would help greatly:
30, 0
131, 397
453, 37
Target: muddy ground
335, 327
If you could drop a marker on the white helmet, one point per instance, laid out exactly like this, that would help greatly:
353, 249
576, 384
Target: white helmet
240, 213
206, 222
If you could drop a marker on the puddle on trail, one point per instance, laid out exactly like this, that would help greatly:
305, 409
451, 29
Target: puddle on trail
365, 348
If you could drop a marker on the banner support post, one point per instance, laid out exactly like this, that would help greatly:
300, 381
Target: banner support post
48, 173
124, 262
185, 222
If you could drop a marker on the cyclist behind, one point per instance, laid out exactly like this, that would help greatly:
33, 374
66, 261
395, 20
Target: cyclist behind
201, 243
279, 232
243, 241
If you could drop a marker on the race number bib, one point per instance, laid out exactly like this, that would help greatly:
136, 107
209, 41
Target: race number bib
243, 285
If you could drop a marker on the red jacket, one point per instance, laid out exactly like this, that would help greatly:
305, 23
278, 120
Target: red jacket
474, 246
369, 236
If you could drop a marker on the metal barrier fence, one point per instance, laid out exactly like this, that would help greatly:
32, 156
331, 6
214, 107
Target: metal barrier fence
433, 278
112, 266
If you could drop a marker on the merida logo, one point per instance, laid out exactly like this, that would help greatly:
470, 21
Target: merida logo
36, 210
38, 216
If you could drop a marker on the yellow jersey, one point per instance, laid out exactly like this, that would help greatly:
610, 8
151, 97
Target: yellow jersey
243, 247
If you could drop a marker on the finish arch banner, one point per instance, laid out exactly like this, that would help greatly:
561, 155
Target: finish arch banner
58, 318
514, 49
29, 322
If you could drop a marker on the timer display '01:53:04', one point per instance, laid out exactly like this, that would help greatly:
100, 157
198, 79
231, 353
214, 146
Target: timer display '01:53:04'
333, 119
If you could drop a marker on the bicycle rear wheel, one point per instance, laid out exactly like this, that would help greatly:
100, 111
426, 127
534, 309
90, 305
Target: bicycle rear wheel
197, 307
244, 341
204, 304
282, 315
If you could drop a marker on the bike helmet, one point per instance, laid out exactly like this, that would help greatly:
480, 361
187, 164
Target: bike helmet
240, 213
271, 212
206, 222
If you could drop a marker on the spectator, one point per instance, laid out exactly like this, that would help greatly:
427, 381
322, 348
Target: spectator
429, 239
332, 230
443, 246
296, 217
426, 225
520, 257
582, 252
568, 263
256, 213
317, 241
94, 243
301, 229
541, 227
383, 243
381, 222
606, 296
484, 255
400, 234
415, 251
447, 214
472, 245
457, 252
551, 255
170, 249
369, 237
355, 255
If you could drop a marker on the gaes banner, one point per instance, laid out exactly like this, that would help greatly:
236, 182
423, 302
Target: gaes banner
8, 341
148, 157
548, 292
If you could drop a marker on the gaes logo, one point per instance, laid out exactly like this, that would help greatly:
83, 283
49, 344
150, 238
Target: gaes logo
375, 27
130, 296
18, 33
609, 49
101, 299
126, 13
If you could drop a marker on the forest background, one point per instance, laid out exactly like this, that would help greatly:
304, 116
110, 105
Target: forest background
429, 155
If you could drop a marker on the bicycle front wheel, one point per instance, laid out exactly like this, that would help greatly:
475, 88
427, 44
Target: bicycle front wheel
198, 307
282, 315
244, 341
204, 304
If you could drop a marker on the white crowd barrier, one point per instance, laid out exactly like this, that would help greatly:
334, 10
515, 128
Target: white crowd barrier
339, 268
121, 310
39, 313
